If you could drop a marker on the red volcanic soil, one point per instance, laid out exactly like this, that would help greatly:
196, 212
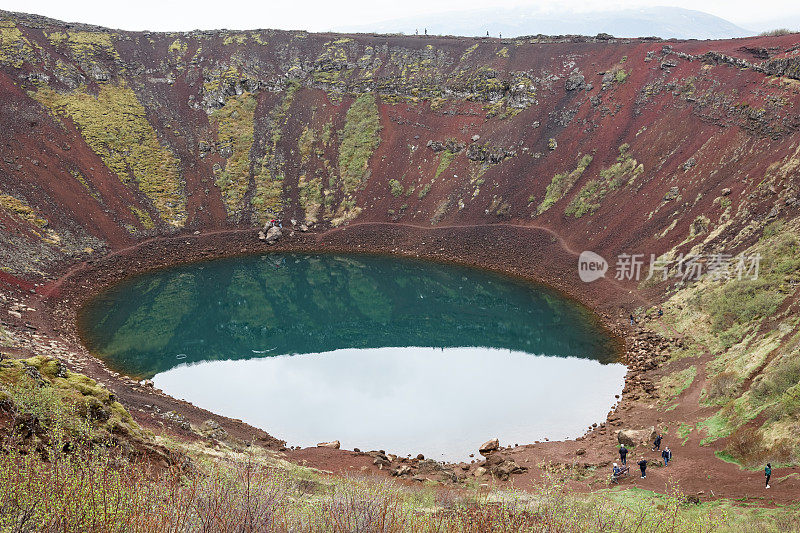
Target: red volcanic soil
711, 127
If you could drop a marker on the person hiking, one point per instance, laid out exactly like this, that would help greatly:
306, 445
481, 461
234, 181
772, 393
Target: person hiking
643, 467
616, 472
768, 472
660, 312
666, 455
657, 443
632, 320
623, 454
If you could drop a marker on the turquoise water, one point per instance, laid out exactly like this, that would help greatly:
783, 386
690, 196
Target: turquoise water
377, 352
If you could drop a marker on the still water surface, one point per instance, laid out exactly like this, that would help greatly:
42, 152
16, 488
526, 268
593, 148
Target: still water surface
377, 352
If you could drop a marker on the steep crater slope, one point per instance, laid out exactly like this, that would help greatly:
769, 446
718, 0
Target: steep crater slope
512, 154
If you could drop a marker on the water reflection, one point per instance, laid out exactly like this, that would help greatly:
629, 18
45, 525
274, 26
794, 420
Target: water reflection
440, 402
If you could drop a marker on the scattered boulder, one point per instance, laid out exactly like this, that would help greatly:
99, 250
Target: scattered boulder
270, 234
451, 145
635, 437
335, 444
502, 468
177, 419
489, 446
488, 154
574, 82
672, 194
432, 469
402, 470
211, 428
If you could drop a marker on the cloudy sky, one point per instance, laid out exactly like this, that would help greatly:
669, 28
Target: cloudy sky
324, 15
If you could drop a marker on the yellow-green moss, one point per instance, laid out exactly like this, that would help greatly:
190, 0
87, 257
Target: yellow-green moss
360, 137
85, 45
114, 124
623, 172
178, 47
144, 217
311, 197
15, 49
68, 404
21, 210
235, 134
468, 51
562, 183
445, 159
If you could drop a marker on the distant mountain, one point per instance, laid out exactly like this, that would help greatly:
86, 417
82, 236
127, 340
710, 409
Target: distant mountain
666, 22
789, 22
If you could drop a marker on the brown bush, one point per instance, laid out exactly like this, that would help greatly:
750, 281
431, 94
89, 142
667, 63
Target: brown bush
722, 386
747, 446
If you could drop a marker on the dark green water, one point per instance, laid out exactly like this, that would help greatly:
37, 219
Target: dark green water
377, 352
293, 304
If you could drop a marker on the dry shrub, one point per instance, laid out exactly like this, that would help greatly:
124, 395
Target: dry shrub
722, 386
747, 446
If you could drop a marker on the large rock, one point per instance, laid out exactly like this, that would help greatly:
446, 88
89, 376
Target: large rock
502, 468
211, 428
489, 446
436, 471
635, 437
270, 235
575, 81
335, 444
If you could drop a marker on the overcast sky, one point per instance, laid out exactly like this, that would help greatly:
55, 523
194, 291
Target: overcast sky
324, 15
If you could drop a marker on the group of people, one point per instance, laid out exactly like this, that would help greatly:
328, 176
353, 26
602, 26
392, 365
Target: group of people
666, 456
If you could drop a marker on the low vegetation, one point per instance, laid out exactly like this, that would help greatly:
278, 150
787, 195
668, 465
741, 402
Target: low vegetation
754, 370
114, 124
623, 172
561, 184
234, 123
359, 138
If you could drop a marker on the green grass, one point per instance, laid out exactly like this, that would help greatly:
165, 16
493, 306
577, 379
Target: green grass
672, 385
115, 125
396, 188
623, 172
359, 139
716, 427
684, 430
445, 159
561, 184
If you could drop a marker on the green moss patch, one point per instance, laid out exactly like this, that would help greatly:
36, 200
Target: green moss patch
114, 124
561, 184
